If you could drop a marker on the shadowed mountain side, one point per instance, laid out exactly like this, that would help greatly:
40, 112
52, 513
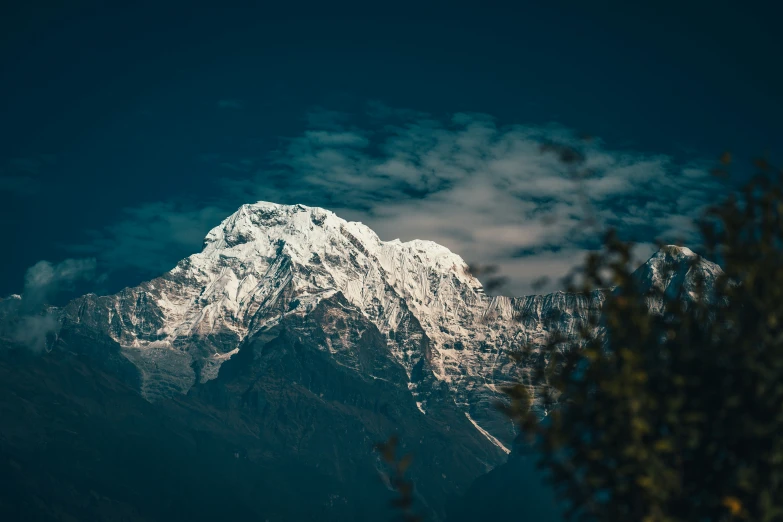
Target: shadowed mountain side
269, 374
78, 444
515, 490
285, 432
327, 410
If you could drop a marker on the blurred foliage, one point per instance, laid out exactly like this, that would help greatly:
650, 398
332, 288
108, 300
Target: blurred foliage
677, 415
403, 487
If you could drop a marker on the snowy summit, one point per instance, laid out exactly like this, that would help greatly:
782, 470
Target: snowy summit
268, 262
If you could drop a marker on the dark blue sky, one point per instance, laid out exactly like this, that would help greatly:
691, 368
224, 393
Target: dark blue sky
106, 110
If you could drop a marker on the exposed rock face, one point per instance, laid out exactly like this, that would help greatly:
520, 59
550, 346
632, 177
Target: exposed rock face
312, 337
677, 272
268, 262
516, 489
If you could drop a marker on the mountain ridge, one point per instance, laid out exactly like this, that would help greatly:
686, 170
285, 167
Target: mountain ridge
267, 261
314, 339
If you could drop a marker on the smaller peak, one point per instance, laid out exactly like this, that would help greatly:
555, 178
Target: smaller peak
15, 296
268, 205
263, 204
676, 250
279, 209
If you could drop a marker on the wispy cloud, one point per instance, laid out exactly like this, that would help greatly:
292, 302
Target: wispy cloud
36, 332
44, 279
36, 326
482, 189
488, 192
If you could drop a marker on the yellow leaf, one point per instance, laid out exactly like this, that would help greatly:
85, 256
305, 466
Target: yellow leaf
733, 504
761, 164
645, 482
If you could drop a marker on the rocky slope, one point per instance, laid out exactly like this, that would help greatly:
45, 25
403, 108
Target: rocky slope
305, 339
269, 262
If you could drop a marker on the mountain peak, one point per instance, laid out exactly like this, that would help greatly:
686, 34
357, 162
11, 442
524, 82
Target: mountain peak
268, 263
676, 271
268, 260
308, 235
676, 251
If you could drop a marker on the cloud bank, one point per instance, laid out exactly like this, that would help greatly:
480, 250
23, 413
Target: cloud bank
37, 327
44, 279
36, 332
486, 191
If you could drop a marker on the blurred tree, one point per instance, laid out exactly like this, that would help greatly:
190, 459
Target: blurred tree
402, 486
675, 415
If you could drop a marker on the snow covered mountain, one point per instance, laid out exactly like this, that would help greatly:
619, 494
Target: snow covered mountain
301, 339
677, 272
269, 262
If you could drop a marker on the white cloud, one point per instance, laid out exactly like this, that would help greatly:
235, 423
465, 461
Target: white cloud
36, 326
36, 331
490, 194
486, 191
44, 279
